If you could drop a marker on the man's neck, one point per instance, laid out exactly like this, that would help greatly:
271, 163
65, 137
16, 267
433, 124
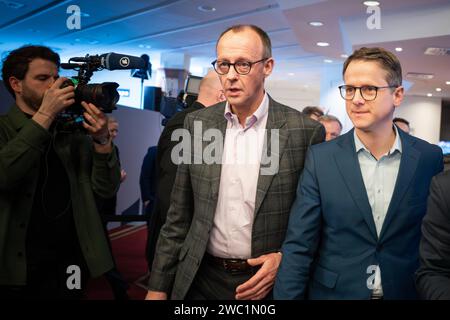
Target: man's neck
243, 112
378, 141
24, 107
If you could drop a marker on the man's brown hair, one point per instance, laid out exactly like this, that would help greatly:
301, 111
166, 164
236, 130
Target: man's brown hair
386, 59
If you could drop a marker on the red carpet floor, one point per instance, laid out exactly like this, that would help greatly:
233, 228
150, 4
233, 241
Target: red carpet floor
128, 244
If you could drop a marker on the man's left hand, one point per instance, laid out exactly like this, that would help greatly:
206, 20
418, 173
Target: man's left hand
258, 286
95, 122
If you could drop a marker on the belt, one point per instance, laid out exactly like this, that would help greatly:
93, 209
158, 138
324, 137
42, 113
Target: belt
230, 265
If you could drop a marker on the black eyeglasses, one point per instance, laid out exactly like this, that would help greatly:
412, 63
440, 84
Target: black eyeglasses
368, 93
241, 67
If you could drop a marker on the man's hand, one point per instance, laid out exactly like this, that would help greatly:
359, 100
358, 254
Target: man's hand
156, 295
96, 124
54, 101
258, 286
123, 175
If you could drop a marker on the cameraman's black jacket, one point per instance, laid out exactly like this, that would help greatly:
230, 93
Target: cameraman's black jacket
22, 143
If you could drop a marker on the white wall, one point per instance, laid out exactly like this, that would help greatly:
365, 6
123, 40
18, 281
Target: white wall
424, 115
293, 96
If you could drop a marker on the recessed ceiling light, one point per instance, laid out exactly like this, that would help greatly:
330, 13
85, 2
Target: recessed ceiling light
206, 8
398, 49
429, 95
438, 89
371, 3
315, 23
141, 46
447, 82
328, 61
322, 44
148, 47
345, 56
291, 74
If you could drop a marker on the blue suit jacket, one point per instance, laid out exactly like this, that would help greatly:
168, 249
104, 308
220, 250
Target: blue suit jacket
332, 241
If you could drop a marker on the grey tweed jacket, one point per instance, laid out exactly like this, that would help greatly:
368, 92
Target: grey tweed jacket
184, 237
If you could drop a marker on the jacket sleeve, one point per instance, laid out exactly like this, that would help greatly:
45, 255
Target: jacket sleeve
433, 276
302, 238
318, 135
175, 229
21, 153
105, 177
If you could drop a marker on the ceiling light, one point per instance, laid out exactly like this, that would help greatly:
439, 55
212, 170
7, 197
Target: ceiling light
322, 44
328, 61
206, 8
447, 82
148, 47
429, 95
291, 74
141, 46
315, 23
345, 56
438, 89
398, 49
371, 3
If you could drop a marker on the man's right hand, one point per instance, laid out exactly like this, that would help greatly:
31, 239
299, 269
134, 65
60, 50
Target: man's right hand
156, 295
54, 101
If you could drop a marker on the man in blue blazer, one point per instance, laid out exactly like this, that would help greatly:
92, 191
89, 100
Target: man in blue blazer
354, 228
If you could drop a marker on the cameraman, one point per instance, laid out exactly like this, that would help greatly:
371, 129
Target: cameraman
48, 177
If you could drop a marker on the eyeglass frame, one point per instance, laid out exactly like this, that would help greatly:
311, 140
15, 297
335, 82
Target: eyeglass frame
360, 92
234, 66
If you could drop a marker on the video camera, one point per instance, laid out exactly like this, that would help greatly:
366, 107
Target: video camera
103, 95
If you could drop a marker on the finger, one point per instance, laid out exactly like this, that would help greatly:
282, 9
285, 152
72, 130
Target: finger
57, 84
257, 289
256, 261
253, 281
68, 95
90, 120
91, 108
263, 293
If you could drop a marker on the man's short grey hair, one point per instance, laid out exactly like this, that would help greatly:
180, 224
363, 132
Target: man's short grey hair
329, 118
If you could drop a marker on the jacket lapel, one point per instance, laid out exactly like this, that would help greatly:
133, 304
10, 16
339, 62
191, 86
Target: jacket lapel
350, 170
214, 170
275, 120
408, 165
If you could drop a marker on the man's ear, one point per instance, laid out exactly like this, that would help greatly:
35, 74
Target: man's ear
15, 84
268, 66
398, 96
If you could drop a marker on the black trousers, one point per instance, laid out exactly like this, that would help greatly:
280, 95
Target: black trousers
213, 282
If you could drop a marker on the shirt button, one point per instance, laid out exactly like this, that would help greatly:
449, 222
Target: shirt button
379, 191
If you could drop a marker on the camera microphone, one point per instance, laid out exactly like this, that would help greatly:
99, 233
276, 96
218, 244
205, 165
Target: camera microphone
117, 61
110, 61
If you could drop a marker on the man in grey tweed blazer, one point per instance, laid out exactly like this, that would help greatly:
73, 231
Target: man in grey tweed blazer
226, 223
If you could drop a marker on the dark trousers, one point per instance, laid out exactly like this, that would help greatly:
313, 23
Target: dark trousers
213, 282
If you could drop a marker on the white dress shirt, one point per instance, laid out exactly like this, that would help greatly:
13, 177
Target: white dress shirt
231, 233
379, 180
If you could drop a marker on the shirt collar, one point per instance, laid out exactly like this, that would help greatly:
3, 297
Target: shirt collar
397, 145
254, 119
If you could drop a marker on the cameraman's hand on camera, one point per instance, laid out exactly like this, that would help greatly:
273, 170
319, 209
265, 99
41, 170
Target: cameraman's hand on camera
96, 124
54, 101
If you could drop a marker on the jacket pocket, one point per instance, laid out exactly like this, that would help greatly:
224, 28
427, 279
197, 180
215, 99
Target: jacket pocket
325, 277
